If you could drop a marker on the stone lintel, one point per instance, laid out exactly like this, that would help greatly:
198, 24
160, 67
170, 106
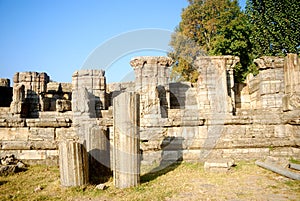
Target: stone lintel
230, 61
31, 77
89, 72
138, 62
266, 62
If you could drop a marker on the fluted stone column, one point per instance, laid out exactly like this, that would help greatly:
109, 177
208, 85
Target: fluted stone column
126, 140
73, 163
291, 82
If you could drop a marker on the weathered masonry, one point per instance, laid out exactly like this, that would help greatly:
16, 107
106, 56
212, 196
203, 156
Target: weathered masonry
213, 118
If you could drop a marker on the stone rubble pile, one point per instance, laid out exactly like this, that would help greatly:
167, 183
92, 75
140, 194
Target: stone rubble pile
9, 165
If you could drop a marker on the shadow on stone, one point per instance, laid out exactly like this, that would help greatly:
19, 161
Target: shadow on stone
6, 96
31, 105
163, 102
99, 171
171, 158
178, 95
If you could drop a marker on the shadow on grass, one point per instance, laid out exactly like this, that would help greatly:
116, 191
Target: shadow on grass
159, 171
3, 182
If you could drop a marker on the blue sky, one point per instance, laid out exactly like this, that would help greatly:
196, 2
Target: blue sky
57, 37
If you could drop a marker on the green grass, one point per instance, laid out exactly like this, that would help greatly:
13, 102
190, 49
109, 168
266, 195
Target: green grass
292, 160
175, 182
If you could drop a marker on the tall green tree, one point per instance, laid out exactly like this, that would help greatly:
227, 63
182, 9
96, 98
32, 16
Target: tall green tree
275, 25
211, 27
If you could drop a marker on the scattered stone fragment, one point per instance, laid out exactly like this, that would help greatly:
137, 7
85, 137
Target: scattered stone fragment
218, 165
294, 166
278, 169
282, 162
38, 188
101, 187
9, 165
20, 165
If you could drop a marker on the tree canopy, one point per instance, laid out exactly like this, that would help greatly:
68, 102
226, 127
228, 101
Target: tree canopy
275, 25
211, 27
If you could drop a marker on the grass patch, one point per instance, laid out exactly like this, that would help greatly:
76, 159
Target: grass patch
292, 160
174, 182
293, 184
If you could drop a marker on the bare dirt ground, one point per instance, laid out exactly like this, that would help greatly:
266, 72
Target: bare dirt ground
254, 184
244, 182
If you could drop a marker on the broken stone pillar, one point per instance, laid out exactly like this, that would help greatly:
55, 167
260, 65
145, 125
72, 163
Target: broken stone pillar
84, 114
126, 140
291, 100
152, 83
18, 100
73, 163
95, 83
34, 84
88, 99
83, 103
216, 83
267, 88
98, 148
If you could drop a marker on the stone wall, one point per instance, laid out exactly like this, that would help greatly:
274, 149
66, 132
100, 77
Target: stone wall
34, 140
213, 118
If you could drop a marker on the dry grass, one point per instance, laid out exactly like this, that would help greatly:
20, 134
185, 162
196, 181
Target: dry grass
185, 181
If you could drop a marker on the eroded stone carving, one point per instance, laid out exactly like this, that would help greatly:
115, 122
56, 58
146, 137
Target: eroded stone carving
141, 61
266, 62
63, 105
4, 82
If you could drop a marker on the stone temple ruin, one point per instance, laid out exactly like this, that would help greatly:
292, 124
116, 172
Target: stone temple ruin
90, 127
